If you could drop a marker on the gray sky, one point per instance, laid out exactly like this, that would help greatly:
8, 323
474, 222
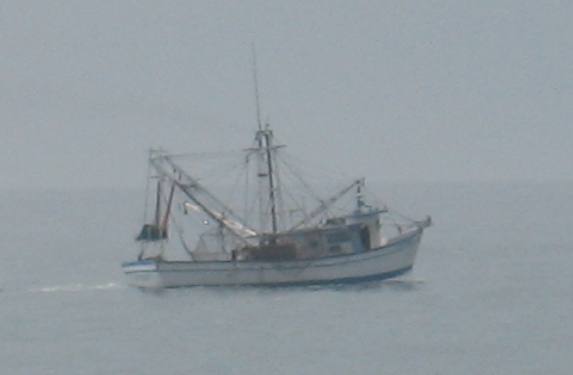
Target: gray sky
394, 90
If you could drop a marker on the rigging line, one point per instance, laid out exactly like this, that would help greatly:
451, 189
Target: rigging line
214, 172
205, 154
246, 193
180, 231
326, 204
295, 196
298, 175
184, 244
254, 201
198, 188
371, 196
309, 189
231, 191
183, 187
225, 171
402, 216
249, 207
253, 153
321, 170
213, 215
147, 189
240, 169
146, 199
159, 198
180, 234
309, 192
298, 206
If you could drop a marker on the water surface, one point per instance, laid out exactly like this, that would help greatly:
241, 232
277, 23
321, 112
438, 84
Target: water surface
490, 294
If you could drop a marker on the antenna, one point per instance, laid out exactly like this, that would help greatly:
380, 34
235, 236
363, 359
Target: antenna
256, 82
266, 148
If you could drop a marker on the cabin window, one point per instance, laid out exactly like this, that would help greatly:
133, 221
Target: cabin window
365, 237
335, 249
338, 237
336, 221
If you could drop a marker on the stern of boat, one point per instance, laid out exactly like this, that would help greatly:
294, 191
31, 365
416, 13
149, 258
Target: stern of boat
142, 273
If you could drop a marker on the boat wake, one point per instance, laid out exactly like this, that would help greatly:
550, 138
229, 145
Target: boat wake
78, 287
392, 284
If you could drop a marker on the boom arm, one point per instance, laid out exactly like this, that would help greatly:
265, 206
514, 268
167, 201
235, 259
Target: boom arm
325, 205
236, 228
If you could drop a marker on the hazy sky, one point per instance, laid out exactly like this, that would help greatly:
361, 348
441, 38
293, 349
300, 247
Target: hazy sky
394, 90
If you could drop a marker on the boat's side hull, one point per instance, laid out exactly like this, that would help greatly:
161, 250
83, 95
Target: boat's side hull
390, 260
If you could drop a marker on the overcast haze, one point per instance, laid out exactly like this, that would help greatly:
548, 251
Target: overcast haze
394, 90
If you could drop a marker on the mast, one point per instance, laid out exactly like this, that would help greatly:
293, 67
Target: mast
264, 143
258, 140
268, 143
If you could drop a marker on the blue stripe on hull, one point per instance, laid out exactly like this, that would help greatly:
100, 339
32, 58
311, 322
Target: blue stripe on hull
346, 280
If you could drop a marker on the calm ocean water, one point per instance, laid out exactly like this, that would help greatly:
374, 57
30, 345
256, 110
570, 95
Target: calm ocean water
491, 293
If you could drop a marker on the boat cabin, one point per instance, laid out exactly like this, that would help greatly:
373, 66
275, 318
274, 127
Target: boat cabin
350, 234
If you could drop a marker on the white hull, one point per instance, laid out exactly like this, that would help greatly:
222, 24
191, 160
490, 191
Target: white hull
394, 258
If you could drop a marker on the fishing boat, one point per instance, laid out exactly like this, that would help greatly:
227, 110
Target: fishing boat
272, 240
